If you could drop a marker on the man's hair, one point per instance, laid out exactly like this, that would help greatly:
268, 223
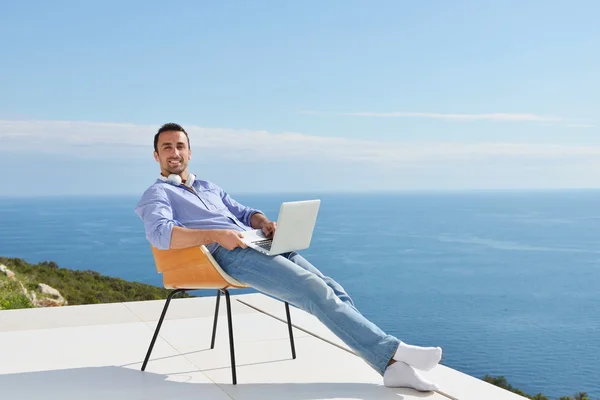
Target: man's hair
171, 126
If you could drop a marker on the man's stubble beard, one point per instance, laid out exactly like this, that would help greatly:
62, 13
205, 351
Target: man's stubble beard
177, 171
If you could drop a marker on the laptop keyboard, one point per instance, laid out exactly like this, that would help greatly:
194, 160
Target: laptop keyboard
265, 244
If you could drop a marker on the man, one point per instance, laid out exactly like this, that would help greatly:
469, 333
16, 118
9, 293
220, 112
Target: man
177, 215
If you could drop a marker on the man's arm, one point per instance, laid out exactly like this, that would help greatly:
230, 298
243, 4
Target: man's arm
154, 209
247, 215
164, 233
258, 220
182, 238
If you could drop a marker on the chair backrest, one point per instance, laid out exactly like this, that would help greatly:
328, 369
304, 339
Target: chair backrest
191, 268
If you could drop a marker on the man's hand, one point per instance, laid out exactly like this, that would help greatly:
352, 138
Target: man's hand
269, 228
259, 221
230, 239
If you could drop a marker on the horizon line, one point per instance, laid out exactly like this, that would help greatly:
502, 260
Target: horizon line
326, 192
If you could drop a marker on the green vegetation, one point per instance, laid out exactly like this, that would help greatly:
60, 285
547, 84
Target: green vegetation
77, 287
503, 383
11, 295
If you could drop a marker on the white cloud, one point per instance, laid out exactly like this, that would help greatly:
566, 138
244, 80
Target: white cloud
293, 161
98, 140
457, 117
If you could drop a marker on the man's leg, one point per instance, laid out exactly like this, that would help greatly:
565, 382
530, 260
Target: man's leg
335, 286
423, 358
283, 279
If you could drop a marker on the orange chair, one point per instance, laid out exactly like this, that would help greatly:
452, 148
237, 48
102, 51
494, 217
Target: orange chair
195, 268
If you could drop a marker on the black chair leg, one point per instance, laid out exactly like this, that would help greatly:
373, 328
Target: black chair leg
231, 348
212, 342
160, 321
229, 323
289, 322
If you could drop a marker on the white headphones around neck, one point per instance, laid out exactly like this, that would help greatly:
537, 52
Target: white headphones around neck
176, 180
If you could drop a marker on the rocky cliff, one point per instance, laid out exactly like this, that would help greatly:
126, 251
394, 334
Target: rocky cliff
45, 284
44, 296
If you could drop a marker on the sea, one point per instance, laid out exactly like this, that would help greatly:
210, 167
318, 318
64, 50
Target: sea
506, 282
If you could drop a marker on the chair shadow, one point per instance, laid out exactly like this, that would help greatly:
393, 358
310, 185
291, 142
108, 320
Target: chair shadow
119, 383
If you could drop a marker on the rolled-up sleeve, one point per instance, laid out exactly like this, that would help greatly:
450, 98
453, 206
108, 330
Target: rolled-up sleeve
154, 209
241, 212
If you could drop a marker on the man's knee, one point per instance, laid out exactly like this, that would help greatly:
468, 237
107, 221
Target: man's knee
319, 293
292, 256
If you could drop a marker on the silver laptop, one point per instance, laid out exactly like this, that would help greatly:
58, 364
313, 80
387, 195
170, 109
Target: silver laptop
295, 225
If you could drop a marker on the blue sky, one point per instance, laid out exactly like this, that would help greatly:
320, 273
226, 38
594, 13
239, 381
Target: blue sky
301, 96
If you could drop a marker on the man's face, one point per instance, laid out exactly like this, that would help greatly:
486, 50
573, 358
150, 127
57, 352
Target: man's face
173, 152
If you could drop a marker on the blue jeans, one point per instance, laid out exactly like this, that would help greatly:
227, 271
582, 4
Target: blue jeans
289, 277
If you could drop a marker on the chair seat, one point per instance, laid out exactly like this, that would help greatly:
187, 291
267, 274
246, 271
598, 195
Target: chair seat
192, 268
197, 278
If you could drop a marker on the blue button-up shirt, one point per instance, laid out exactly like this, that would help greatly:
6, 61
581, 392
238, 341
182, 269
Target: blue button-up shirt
164, 206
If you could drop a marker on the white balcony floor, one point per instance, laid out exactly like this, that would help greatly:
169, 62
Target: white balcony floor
95, 352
